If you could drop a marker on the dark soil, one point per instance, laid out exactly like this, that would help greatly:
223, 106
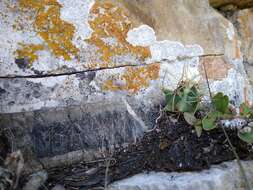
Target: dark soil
4, 147
170, 147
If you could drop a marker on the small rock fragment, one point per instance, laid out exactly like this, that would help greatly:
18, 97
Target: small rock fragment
36, 181
58, 187
6, 181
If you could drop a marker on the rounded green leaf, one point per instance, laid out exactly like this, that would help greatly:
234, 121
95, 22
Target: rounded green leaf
221, 102
246, 137
209, 120
208, 124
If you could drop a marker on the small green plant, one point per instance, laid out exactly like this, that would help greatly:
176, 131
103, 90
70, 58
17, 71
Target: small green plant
219, 110
186, 99
247, 133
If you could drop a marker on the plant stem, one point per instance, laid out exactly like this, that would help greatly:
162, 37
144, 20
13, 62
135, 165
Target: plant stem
207, 81
248, 185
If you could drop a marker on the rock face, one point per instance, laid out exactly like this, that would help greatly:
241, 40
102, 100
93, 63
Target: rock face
221, 177
93, 70
243, 21
245, 29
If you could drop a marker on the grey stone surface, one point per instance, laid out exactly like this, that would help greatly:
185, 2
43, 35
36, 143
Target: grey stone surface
90, 127
36, 181
225, 176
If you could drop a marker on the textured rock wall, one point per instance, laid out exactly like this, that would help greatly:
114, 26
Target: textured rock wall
244, 23
95, 69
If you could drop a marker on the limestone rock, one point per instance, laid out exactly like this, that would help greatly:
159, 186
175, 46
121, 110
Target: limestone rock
188, 22
36, 181
221, 177
98, 59
58, 187
5, 179
245, 29
94, 70
244, 20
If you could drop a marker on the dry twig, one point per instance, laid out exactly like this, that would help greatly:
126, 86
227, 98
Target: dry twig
248, 185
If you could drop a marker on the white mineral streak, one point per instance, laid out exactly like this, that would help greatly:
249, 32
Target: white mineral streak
230, 31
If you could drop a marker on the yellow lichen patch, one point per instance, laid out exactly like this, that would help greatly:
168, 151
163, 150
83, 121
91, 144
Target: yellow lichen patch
29, 51
134, 78
52, 29
110, 21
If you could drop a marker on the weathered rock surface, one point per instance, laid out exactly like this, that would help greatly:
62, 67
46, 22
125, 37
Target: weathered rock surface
93, 38
90, 127
220, 177
94, 70
243, 20
245, 30
36, 181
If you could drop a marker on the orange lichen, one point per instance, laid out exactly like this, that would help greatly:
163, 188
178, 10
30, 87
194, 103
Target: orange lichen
57, 33
134, 78
110, 21
29, 51
216, 67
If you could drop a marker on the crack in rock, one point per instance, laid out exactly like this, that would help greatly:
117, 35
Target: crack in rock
90, 70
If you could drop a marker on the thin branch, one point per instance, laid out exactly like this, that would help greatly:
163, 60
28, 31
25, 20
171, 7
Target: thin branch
207, 81
248, 186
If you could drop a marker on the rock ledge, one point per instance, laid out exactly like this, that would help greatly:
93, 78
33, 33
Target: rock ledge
225, 176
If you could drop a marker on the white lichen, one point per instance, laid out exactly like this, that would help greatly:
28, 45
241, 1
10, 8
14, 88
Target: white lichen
144, 35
